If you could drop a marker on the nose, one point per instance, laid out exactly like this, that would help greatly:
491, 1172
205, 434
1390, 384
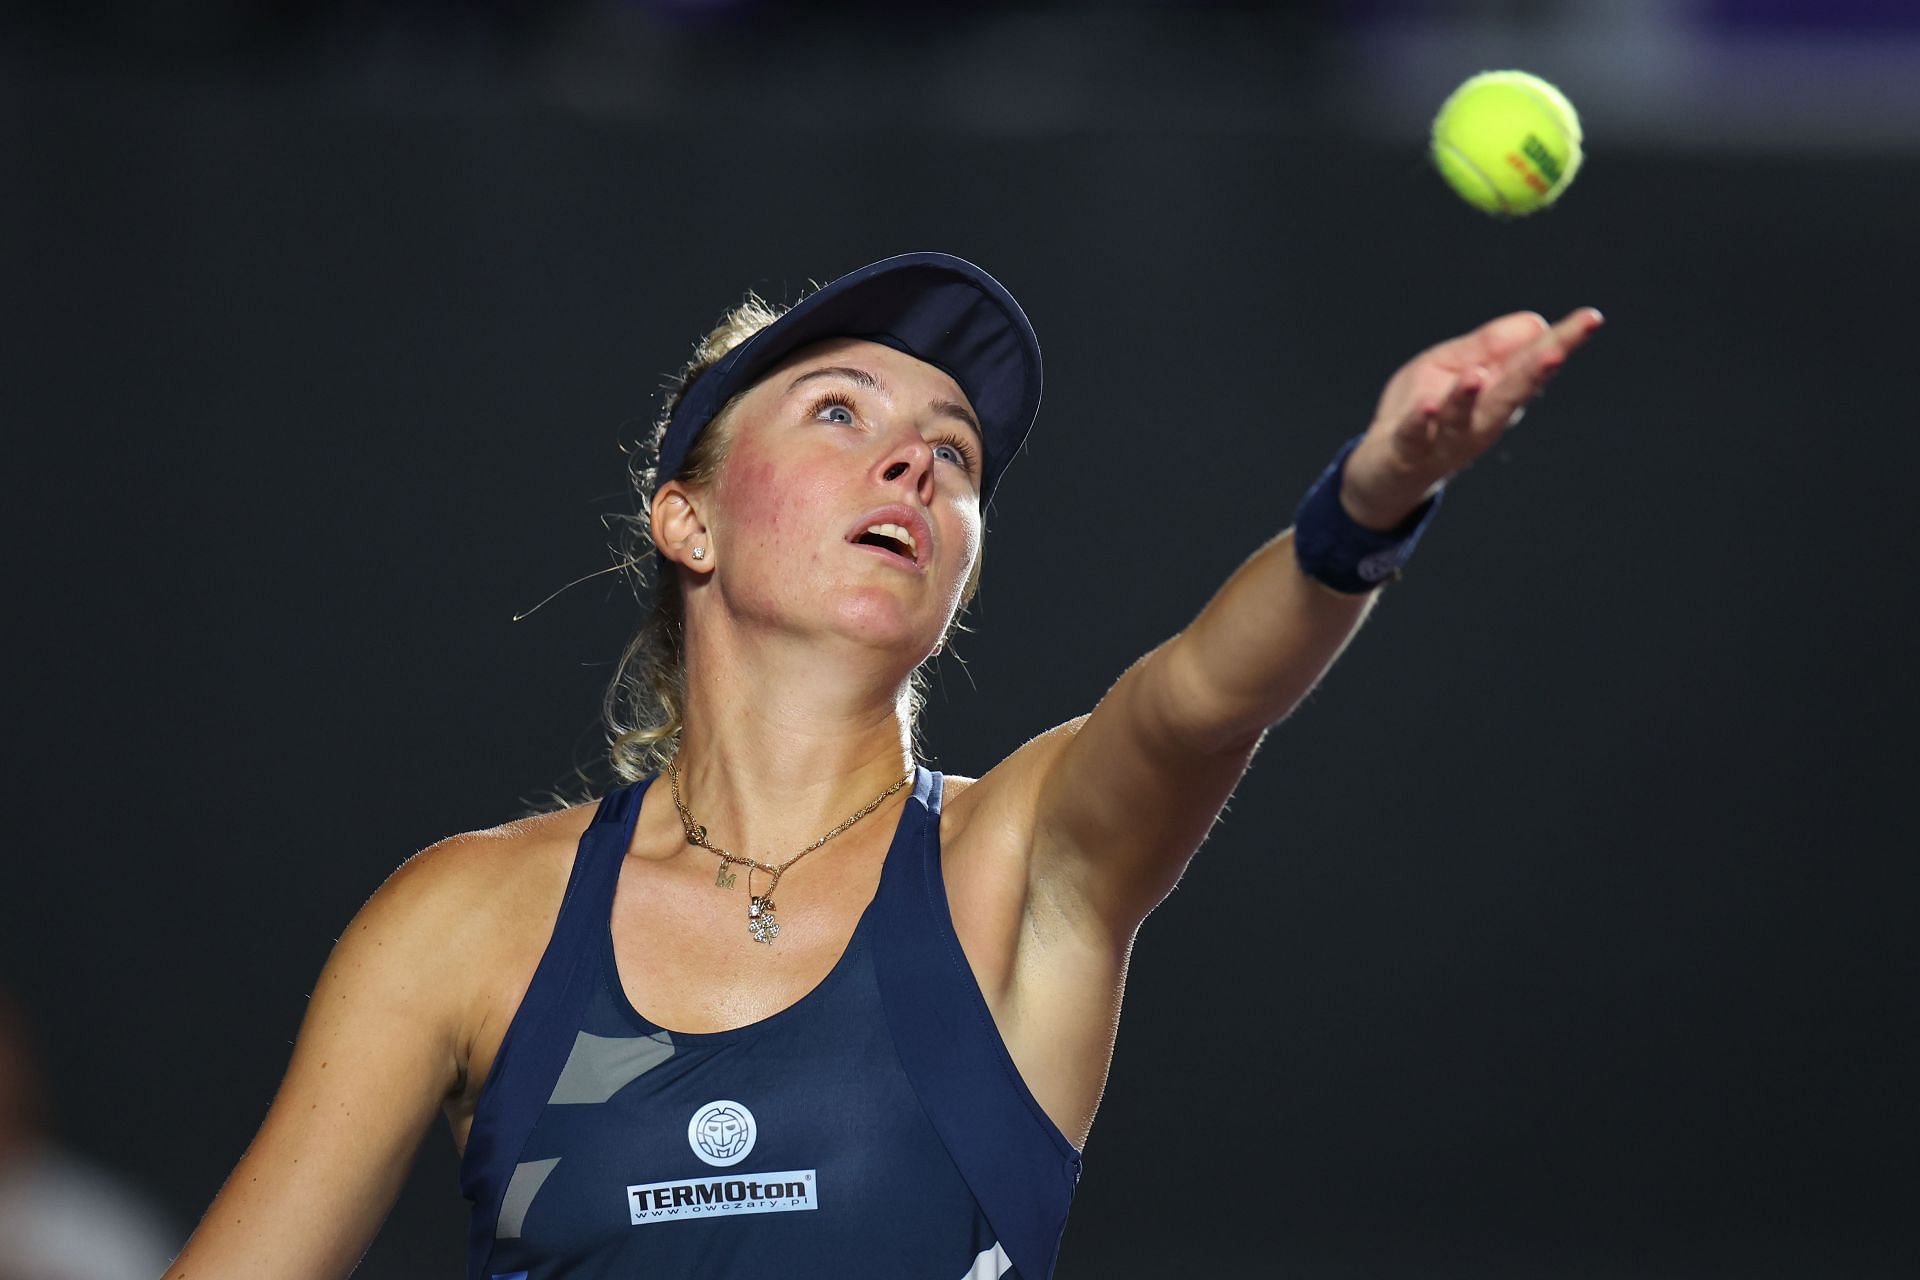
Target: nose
910, 459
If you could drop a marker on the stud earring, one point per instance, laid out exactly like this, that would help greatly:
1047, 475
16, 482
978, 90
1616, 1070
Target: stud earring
699, 553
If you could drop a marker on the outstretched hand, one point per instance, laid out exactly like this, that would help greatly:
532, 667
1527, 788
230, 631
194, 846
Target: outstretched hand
1450, 404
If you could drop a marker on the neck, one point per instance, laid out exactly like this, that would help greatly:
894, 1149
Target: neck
781, 744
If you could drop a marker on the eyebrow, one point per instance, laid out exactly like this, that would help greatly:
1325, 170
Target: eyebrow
860, 377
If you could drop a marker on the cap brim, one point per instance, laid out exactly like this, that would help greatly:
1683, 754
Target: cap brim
932, 306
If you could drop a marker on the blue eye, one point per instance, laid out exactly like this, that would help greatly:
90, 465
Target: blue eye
962, 453
834, 402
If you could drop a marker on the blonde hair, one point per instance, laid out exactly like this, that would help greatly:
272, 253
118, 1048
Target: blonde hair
644, 708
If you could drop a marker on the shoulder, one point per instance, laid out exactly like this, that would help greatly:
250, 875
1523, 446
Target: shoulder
456, 886
463, 914
477, 868
463, 924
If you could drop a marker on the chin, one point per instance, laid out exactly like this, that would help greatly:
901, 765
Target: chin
883, 624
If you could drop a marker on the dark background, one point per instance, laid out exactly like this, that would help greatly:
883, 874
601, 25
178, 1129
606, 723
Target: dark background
1567, 930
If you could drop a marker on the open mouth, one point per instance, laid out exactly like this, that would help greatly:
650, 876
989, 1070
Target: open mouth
900, 536
886, 543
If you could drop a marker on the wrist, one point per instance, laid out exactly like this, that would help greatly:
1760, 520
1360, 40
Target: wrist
1343, 547
1381, 502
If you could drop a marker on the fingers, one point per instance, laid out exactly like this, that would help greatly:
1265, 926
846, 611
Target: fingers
1552, 348
1499, 340
1448, 410
1457, 413
1493, 342
1580, 324
1461, 396
1563, 339
1533, 366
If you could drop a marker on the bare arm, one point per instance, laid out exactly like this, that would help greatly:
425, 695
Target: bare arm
378, 1050
1123, 798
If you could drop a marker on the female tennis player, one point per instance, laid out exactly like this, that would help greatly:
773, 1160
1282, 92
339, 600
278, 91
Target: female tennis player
786, 1002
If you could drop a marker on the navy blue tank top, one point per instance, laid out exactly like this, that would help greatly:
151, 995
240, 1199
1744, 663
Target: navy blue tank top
875, 1127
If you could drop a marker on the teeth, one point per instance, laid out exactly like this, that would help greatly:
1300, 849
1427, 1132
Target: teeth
896, 532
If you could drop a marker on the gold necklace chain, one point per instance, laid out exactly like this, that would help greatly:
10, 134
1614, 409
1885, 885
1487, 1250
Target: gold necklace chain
760, 920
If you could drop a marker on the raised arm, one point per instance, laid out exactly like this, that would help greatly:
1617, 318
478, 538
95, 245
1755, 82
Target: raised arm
1122, 798
378, 1051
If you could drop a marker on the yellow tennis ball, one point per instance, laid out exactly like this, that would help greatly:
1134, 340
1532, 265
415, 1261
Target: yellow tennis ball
1507, 141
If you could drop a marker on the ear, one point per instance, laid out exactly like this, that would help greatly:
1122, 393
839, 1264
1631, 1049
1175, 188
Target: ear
678, 528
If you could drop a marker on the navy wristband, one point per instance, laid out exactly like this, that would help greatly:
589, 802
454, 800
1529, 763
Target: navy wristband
1347, 556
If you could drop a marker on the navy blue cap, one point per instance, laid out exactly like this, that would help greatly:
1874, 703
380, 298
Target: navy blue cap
934, 307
